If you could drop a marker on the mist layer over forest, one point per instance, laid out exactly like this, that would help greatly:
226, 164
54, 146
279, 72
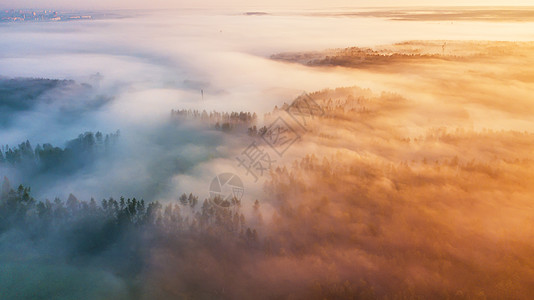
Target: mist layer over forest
403, 172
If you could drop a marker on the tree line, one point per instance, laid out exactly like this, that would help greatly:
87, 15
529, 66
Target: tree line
18, 209
74, 155
219, 120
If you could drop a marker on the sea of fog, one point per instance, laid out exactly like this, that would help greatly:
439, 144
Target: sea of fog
145, 63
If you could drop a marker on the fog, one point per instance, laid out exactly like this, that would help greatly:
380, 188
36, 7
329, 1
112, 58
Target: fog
415, 182
151, 62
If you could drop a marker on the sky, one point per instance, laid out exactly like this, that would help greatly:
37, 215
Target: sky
157, 4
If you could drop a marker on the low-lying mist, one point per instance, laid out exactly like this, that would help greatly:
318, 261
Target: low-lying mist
412, 182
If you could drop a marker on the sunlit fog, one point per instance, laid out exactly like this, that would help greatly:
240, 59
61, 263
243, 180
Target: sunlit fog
244, 152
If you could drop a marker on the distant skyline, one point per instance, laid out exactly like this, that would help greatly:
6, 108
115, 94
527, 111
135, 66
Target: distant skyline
160, 4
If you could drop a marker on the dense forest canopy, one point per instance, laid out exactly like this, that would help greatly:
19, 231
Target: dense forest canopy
414, 184
343, 224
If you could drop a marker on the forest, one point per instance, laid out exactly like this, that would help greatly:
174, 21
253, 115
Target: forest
383, 213
384, 57
407, 181
219, 120
47, 158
